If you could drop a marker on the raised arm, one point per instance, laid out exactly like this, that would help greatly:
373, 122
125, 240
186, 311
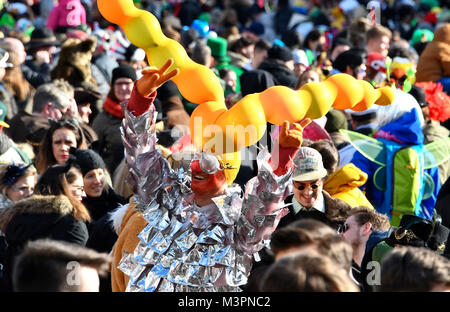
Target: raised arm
263, 204
148, 169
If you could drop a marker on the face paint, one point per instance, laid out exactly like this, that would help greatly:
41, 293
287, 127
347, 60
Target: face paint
203, 182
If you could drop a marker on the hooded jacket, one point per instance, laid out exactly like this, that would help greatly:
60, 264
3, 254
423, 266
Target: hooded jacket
39, 217
404, 131
434, 62
344, 184
68, 13
281, 74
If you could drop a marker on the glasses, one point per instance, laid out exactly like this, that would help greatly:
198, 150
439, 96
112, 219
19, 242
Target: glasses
314, 185
343, 228
23, 189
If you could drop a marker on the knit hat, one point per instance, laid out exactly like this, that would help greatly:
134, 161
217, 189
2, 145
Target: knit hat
123, 71
87, 160
278, 52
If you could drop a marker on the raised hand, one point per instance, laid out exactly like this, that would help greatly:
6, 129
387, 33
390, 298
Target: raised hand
153, 78
293, 137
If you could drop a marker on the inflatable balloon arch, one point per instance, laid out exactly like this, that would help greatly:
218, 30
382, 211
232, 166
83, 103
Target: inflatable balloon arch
221, 131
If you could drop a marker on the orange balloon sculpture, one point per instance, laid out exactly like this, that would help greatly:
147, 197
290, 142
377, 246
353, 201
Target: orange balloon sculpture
224, 132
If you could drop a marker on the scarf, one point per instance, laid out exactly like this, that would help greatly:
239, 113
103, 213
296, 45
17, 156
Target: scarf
113, 108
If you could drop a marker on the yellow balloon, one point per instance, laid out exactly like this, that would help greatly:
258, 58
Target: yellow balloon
213, 127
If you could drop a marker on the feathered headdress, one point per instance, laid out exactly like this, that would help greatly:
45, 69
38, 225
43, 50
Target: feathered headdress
438, 100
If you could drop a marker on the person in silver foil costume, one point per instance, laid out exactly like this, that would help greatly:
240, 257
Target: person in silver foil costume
202, 231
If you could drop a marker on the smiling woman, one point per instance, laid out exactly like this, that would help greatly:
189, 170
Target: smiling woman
55, 146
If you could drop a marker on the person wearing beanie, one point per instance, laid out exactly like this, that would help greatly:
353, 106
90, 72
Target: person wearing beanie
107, 123
100, 199
280, 64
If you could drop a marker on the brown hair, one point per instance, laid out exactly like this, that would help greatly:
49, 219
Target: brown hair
378, 31
379, 221
307, 271
56, 180
43, 265
45, 157
15, 82
30, 171
413, 269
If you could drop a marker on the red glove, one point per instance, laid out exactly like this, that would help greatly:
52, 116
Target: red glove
146, 86
289, 142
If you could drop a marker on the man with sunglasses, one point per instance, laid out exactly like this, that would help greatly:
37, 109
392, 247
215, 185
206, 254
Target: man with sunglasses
309, 200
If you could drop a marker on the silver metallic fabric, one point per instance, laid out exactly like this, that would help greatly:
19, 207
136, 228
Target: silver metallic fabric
189, 248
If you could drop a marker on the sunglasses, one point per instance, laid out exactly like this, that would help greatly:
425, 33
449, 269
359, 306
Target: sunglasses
343, 228
302, 186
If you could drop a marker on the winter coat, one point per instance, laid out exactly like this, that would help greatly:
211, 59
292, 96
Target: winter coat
68, 13
434, 62
281, 74
344, 184
110, 143
105, 203
39, 217
336, 211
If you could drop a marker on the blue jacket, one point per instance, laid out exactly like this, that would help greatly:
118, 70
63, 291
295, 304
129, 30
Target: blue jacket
406, 130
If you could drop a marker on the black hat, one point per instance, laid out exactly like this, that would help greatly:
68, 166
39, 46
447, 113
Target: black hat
278, 52
438, 239
123, 71
84, 96
87, 160
412, 231
42, 37
419, 94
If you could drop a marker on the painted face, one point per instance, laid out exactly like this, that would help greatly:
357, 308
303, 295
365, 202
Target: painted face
94, 182
62, 140
206, 183
77, 188
23, 188
123, 88
307, 193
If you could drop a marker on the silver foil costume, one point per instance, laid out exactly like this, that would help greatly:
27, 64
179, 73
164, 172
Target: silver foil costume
189, 248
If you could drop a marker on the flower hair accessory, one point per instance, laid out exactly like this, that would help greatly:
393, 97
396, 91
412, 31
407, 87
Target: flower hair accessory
13, 173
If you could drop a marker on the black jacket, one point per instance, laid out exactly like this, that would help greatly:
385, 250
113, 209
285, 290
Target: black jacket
100, 206
35, 218
282, 75
336, 211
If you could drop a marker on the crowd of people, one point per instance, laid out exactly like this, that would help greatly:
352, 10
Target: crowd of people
98, 166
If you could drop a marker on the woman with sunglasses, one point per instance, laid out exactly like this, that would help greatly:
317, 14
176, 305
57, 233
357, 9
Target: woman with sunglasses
198, 223
309, 199
54, 148
16, 182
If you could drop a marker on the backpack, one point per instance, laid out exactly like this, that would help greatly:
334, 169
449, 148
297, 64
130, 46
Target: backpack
401, 174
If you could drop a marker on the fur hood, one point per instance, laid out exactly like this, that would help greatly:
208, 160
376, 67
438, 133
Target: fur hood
36, 204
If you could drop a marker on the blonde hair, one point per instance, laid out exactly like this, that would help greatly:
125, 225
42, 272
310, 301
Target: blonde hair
30, 171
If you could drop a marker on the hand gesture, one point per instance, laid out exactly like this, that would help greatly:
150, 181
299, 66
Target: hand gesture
292, 137
153, 78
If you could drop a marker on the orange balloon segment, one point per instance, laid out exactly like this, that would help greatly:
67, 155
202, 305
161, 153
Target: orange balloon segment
213, 127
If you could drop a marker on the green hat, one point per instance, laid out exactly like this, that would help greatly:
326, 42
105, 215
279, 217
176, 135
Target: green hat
219, 49
419, 34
